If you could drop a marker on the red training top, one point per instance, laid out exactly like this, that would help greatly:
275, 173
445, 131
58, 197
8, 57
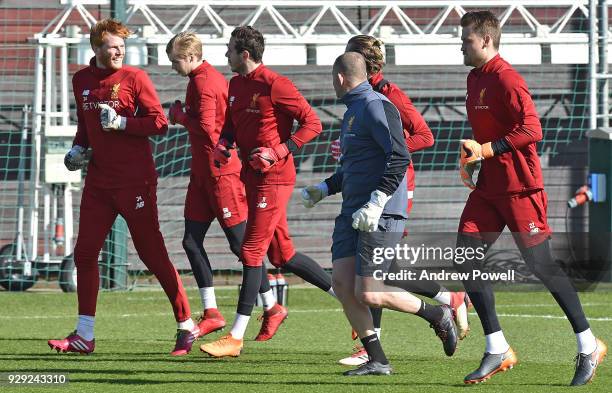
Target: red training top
499, 106
121, 158
416, 131
205, 106
262, 107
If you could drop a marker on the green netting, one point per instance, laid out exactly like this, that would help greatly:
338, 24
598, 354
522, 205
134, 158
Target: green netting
559, 91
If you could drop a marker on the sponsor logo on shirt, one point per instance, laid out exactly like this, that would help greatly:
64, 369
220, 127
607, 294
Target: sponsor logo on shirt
253, 108
226, 213
481, 104
139, 202
88, 106
262, 204
115, 91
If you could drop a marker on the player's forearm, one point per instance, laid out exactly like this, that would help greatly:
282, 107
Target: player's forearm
310, 128
146, 126
334, 182
419, 140
524, 135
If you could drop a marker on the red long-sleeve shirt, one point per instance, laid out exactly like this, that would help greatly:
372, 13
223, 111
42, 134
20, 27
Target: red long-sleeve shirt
205, 106
499, 106
120, 158
416, 131
261, 110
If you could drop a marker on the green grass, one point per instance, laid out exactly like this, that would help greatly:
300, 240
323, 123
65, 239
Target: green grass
134, 333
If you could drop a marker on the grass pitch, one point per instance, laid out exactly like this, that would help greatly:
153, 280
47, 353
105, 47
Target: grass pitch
134, 334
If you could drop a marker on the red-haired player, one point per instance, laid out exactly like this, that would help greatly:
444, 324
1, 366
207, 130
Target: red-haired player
117, 110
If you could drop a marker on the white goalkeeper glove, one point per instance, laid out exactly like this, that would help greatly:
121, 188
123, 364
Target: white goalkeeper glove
366, 219
311, 195
110, 120
77, 158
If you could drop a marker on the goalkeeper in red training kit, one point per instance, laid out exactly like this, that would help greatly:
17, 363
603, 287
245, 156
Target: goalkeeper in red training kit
509, 192
214, 191
117, 110
418, 137
261, 109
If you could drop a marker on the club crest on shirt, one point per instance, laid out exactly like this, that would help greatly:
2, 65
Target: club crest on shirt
253, 106
481, 104
115, 91
349, 123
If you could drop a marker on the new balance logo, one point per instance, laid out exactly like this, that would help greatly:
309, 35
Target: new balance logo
262, 204
226, 213
139, 202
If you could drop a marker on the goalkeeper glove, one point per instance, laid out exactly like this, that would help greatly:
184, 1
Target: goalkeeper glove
334, 148
77, 158
177, 114
110, 120
221, 154
474, 151
467, 172
311, 195
366, 219
263, 158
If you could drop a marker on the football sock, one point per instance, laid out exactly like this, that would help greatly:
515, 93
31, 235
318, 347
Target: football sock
586, 342
378, 332
234, 236
265, 283
207, 295
496, 343
251, 280
443, 297
541, 262
186, 325
376, 316
239, 327
268, 300
85, 327
193, 244
307, 269
430, 313
374, 349
480, 291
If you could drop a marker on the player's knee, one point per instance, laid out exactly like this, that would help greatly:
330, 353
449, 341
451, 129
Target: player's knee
370, 299
84, 259
189, 244
341, 288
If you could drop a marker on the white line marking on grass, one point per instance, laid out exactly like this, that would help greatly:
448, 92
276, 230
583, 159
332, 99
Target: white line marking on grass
601, 319
26, 317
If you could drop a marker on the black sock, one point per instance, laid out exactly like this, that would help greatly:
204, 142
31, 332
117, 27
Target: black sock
430, 313
307, 269
265, 284
540, 260
480, 291
376, 316
251, 280
374, 349
193, 244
